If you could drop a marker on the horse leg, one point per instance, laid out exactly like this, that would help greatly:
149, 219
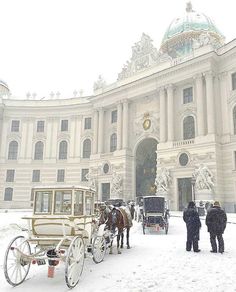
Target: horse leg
127, 237
122, 240
110, 252
118, 244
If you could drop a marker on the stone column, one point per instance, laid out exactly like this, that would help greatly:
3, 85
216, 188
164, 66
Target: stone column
54, 141
29, 142
24, 135
162, 115
210, 103
4, 141
125, 124
95, 132
170, 114
49, 124
200, 105
100, 130
119, 126
224, 93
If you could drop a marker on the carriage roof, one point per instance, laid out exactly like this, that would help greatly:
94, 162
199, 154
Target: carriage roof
58, 187
154, 204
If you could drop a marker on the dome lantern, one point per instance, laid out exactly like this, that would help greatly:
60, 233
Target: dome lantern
186, 31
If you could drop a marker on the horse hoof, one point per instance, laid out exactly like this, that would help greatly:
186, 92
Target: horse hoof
119, 252
128, 247
121, 246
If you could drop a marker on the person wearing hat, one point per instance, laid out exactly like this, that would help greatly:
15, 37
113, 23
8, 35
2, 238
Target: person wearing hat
216, 221
193, 224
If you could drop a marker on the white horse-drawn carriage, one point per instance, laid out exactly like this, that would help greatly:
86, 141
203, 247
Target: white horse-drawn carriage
61, 229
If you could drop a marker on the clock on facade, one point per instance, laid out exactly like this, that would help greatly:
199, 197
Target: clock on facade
147, 124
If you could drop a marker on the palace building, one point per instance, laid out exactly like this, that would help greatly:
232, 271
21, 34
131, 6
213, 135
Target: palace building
166, 126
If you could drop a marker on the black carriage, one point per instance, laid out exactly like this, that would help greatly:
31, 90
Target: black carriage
155, 214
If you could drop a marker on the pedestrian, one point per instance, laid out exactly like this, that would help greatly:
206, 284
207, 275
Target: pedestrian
132, 209
216, 221
193, 224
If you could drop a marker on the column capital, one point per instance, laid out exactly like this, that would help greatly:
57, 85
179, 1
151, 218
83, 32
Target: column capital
209, 74
197, 76
222, 75
125, 101
170, 87
161, 89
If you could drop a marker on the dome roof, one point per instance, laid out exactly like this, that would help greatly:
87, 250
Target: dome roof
189, 26
3, 83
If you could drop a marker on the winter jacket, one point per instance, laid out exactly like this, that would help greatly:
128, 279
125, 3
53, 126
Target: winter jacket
216, 220
192, 220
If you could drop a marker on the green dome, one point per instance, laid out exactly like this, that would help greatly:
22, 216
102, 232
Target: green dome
188, 27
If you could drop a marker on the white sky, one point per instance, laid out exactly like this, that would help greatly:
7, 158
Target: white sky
63, 45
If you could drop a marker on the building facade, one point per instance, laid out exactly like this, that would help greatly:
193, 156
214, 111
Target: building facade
166, 126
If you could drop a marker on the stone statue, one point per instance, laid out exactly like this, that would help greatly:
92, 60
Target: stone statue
163, 180
99, 84
91, 180
116, 185
204, 178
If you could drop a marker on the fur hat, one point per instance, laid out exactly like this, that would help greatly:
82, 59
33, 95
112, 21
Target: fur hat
191, 204
216, 203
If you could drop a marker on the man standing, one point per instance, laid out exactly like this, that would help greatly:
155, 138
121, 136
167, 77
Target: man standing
216, 220
193, 224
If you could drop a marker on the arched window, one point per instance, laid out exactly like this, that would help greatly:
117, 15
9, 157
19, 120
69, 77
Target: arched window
234, 119
63, 150
87, 148
188, 128
38, 151
8, 194
13, 150
113, 142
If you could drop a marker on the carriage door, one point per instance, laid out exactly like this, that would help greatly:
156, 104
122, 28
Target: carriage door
105, 191
185, 192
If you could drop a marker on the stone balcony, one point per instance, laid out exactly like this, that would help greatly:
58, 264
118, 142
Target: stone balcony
181, 143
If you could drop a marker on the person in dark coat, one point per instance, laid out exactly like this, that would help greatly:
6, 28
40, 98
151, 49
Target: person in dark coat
216, 221
193, 224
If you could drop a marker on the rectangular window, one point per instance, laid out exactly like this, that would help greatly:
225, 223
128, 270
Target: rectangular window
10, 175
84, 174
233, 81
188, 95
8, 194
36, 175
60, 175
40, 126
87, 123
15, 126
63, 202
114, 116
64, 125
43, 202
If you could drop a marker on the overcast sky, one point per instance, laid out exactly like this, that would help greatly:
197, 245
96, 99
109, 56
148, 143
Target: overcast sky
63, 45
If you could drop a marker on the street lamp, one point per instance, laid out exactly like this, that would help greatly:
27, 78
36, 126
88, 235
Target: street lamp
193, 182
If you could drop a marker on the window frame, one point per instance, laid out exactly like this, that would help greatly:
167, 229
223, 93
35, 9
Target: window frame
8, 194
10, 175
38, 150
114, 116
61, 175
113, 142
34, 172
187, 98
184, 123
87, 123
15, 126
40, 127
233, 81
64, 125
13, 150
87, 152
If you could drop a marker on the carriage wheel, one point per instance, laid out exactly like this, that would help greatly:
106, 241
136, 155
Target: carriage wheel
16, 266
74, 262
99, 249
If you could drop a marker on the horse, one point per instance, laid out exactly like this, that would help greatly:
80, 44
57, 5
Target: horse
117, 219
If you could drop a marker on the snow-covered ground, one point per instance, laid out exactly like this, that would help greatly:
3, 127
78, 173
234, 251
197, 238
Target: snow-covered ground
156, 262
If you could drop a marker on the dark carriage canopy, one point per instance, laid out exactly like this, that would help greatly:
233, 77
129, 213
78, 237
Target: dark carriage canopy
154, 204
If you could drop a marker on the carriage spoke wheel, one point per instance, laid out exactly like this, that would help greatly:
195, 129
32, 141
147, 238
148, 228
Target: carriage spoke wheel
16, 265
99, 249
74, 262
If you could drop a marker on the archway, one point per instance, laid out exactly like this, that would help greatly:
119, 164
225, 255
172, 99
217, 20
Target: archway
146, 167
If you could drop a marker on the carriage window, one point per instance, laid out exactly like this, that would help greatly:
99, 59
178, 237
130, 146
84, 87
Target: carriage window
88, 204
78, 207
43, 201
62, 202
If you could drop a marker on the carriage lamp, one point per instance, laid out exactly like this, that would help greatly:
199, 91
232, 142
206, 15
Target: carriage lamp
193, 182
